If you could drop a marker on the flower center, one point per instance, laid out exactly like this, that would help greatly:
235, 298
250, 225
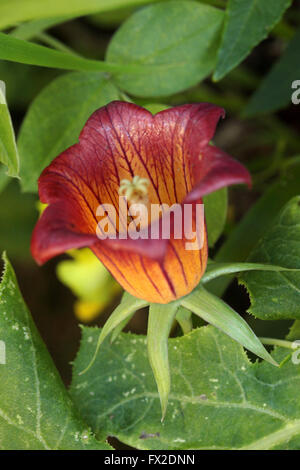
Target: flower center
135, 191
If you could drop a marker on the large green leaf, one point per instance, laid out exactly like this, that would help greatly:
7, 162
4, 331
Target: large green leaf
15, 11
8, 149
17, 215
247, 22
294, 333
56, 118
276, 295
255, 223
218, 400
215, 205
177, 41
36, 411
276, 90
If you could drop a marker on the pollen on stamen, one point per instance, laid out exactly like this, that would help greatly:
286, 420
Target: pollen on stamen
135, 191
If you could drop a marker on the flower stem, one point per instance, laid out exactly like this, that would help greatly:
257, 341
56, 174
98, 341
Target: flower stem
277, 342
55, 43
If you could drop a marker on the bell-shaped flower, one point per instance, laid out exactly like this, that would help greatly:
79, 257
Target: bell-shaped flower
127, 157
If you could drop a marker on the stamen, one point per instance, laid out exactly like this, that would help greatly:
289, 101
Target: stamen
135, 191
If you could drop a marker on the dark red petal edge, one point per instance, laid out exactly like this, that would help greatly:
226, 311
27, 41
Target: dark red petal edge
217, 171
53, 236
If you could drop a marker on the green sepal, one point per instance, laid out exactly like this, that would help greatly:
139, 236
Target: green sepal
184, 318
215, 270
216, 312
160, 321
125, 309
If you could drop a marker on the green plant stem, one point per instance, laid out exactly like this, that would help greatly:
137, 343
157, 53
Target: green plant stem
31, 29
55, 43
277, 342
24, 52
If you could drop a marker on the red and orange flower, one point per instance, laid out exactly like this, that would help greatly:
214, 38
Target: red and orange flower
171, 152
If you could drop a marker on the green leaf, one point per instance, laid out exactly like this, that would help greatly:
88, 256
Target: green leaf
8, 149
55, 119
158, 64
219, 399
255, 223
276, 90
216, 312
176, 40
277, 295
25, 52
124, 310
160, 321
15, 11
294, 332
215, 205
18, 216
155, 108
111, 20
247, 23
4, 179
214, 270
36, 411
26, 78
31, 29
